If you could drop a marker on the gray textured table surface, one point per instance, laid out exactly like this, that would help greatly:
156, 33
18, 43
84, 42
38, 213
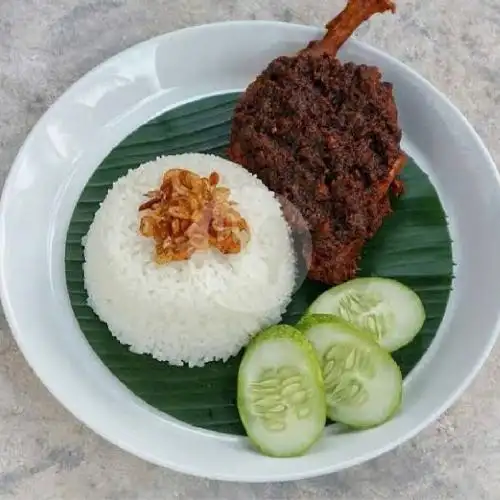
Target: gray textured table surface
45, 45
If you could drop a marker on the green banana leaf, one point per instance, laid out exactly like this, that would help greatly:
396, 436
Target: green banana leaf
413, 246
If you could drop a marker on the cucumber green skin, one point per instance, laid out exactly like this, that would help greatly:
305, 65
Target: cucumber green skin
311, 320
294, 335
348, 284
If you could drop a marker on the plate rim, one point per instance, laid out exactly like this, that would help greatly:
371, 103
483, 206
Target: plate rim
35, 364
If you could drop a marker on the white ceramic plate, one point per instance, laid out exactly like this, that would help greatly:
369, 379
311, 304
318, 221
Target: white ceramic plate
106, 105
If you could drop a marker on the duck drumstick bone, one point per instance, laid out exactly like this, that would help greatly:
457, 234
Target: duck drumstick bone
340, 29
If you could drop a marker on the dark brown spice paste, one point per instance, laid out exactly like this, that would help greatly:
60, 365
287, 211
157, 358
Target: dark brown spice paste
324, 135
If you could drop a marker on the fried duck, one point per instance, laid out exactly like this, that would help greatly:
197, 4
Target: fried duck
324, 135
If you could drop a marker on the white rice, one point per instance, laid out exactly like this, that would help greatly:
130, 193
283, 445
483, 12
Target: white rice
195, 311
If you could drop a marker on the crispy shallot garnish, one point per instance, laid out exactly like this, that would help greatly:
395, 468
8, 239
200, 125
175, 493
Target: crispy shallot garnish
189, 213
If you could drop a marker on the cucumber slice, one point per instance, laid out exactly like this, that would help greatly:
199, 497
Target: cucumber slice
388, 310
281, 397
363, 384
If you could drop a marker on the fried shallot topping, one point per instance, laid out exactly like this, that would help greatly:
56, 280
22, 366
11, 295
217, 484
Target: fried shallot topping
189, 213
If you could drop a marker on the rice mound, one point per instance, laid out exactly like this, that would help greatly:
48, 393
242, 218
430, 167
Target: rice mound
203, 309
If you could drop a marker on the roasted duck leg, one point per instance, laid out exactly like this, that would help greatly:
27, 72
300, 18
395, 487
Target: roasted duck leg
325, 135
